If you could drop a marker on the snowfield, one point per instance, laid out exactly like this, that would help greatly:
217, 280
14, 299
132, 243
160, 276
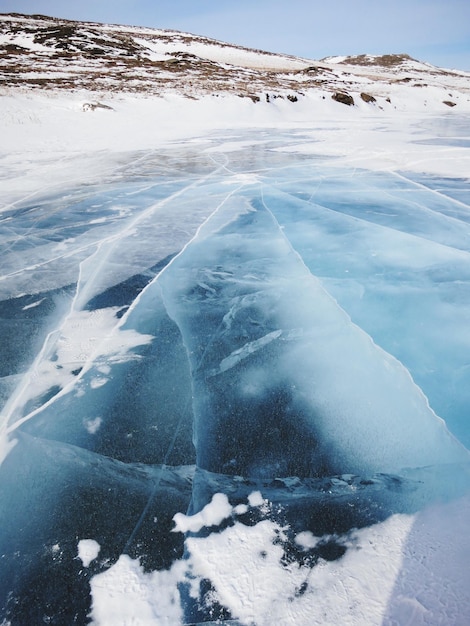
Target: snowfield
235, 332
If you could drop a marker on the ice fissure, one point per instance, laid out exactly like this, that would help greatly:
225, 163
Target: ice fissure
231, 361
237, 293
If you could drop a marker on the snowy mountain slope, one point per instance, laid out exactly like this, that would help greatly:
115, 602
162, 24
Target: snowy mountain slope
51, 53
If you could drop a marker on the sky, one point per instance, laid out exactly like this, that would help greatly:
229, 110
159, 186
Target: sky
436, 31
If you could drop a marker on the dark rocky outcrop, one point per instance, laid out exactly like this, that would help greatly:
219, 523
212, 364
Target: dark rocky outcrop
344, 98
367, 97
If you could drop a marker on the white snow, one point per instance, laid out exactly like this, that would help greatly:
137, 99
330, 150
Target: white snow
306, 540
256, 499
47, 140
211, 515
88, 550
82, 338
24, 41
213, 51
125, 595
406, 570
93, 425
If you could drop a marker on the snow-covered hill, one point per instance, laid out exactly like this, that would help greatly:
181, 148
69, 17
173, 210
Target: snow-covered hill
49, 53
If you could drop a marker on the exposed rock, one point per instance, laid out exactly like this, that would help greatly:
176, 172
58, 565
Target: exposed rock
367, 97
384, 60
254, 98
344, 98
91, 106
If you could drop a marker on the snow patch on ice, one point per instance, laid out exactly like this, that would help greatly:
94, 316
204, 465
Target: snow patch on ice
382, 576
93, 425
98, 381
306, 540
82, 338
211, 515
88, 550
256, 499
125, 595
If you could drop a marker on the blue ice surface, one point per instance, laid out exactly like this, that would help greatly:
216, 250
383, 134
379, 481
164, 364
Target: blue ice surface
307, 324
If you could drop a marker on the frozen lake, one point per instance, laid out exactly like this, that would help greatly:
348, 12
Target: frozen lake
240, 336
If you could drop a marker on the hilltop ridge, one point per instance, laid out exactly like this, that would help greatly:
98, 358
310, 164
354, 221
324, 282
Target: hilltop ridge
47, 53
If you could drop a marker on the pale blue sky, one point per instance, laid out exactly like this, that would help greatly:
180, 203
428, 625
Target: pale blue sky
437, 31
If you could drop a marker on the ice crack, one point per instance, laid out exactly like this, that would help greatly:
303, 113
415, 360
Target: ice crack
245, 351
